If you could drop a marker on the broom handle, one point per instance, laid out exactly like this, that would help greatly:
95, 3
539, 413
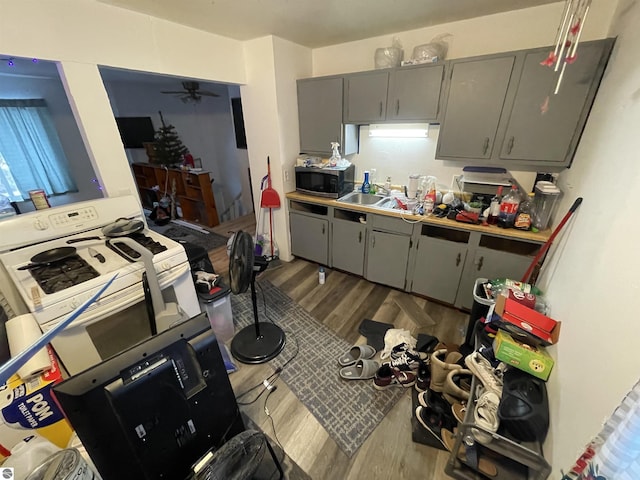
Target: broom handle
545, 247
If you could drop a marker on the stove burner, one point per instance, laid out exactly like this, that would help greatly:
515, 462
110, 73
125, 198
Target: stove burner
63, 274
147, 242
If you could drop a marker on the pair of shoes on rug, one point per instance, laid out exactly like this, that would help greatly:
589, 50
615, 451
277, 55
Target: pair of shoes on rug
466, 455
388, 376
405, 358
357, 363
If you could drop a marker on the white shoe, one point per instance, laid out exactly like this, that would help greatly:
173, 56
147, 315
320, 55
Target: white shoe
491, 378
485, 416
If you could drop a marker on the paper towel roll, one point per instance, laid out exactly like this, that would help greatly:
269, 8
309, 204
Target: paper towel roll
22, 331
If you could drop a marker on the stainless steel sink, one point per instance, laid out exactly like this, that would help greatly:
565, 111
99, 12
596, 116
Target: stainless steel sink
358, 198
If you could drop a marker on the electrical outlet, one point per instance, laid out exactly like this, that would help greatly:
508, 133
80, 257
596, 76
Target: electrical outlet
286, 175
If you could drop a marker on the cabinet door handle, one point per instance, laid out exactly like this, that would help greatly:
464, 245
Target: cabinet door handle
397, 106
485, 146
380, 110
359, 237
479, 263
510, 145
458, 258
323, 229
373, 241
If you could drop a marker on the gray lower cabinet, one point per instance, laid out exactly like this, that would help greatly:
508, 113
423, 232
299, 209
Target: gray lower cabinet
309, 237
348, 242
484, 262
476, 94
440, 259
320, 117
387, 255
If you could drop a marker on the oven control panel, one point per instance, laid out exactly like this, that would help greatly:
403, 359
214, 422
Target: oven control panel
73, 217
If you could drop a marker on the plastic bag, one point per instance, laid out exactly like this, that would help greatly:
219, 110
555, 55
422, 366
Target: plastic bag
388, 57
434, 51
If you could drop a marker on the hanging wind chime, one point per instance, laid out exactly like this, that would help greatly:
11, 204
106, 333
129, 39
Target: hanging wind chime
567, 39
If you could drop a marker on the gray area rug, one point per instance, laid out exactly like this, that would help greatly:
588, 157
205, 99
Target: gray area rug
209, 241
349, 410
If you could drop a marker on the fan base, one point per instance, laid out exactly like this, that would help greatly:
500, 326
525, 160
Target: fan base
246, 348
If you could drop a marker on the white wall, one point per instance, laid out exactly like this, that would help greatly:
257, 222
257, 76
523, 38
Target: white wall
592, 278
51, 90
271, 121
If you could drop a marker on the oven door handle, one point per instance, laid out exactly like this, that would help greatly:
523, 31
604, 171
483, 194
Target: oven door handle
98, 312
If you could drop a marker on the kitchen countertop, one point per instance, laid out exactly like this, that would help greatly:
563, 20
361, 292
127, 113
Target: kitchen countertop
539, 237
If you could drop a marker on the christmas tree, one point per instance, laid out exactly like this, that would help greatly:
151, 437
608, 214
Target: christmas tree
169, 148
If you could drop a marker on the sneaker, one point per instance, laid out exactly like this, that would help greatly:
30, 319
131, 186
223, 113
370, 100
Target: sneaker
388, 376
403, 348
406, 362
423, 377
485, 415
434, 422
490, 377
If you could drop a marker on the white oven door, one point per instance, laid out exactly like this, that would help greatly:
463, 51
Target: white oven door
108, 331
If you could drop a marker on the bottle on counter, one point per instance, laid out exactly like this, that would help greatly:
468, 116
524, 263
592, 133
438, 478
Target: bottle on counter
366, 184
387, 185
509, 208
525, 214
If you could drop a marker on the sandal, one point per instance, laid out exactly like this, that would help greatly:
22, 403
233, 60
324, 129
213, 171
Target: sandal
485, 466
357, 352
362, 370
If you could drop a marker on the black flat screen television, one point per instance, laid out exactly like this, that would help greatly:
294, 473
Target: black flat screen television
135, 131
152, 411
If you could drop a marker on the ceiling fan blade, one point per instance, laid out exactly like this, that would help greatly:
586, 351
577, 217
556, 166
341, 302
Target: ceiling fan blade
208, 94
176, 92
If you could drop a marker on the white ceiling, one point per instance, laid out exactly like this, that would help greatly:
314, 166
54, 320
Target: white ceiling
317, 23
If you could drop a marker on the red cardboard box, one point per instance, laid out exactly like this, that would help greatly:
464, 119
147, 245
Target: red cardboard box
528, 320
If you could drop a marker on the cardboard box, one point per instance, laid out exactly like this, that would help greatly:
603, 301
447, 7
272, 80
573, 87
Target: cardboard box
528, 320
29, 407
533, 360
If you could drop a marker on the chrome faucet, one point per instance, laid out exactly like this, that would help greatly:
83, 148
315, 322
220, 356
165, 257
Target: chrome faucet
382, 188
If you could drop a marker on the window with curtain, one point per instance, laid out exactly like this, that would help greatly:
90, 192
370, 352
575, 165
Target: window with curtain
31, 155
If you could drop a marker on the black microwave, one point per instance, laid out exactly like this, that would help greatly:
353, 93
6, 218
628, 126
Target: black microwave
332, 182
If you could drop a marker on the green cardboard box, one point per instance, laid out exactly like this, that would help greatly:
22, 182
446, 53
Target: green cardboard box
533, 360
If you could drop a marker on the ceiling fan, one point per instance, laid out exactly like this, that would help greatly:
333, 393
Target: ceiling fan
191, 92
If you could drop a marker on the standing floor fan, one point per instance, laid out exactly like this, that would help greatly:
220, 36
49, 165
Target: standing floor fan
262, 341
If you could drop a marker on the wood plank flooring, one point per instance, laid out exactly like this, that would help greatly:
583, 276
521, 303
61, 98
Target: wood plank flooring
341, 304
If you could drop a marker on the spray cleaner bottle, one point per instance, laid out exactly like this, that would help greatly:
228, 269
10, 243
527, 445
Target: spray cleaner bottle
335, 154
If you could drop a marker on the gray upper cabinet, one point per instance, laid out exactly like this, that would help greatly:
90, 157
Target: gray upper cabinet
414, 93
320, 117
477, 91
543, 126
366, 97
502, 110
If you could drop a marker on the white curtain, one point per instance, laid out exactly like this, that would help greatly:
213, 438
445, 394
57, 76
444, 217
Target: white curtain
31, 148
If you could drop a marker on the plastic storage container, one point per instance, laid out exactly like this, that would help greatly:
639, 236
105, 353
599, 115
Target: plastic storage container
544, 201
218, 308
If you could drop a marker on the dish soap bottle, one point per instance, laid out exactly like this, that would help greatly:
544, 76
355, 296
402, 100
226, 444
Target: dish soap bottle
366, 185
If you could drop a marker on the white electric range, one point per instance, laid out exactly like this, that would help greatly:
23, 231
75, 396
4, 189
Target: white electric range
123, 315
